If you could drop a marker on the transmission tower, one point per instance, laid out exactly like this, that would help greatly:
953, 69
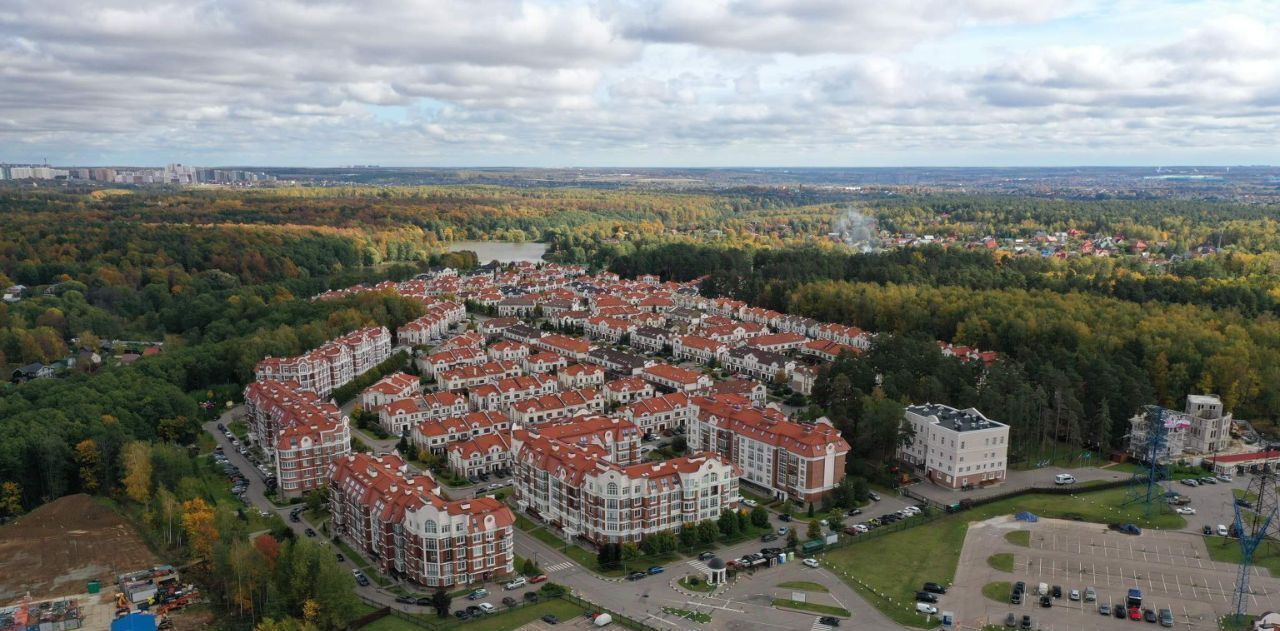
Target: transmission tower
1253, 524
1144, 487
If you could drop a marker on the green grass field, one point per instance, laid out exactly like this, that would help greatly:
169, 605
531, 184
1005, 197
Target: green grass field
998, 591
1019, 538
1002, 561
895, 565
1228, 551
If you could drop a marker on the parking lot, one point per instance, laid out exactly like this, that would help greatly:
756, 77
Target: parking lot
1172, 569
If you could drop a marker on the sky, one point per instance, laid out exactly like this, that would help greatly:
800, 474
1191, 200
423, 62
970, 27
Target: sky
675, 83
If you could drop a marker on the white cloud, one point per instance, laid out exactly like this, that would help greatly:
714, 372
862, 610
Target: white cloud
625, 81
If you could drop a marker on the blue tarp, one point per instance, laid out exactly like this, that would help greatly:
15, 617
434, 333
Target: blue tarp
135, 622
1023, 516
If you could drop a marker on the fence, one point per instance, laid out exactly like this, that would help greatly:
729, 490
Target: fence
425, 621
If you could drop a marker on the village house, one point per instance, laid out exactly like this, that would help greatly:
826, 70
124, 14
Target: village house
556, 405
393, 387
499, 395
580, 376
434, 435
626, 390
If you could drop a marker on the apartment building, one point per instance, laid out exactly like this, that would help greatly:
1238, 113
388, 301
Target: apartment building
956, 448
400, 522
618, 437
333, 364
299, 432
797, 461
750, 389
577, 491
607, 328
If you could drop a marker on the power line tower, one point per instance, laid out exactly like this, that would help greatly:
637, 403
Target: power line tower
1253, 524
1152, 439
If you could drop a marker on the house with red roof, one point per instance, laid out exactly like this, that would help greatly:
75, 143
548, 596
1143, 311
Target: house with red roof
398, 416
654, 415
580, 376
434, 435
393, 387
500, 395
300, 433
675, 378
556, 405
626, 390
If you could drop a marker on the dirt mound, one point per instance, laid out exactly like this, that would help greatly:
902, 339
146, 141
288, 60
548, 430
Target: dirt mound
59, 547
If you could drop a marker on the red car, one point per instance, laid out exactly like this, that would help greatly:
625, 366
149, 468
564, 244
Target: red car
538, 579
1135, 613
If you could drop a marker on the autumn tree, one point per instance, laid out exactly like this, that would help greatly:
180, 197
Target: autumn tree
198, 523
88, 459
10, 499
137, 467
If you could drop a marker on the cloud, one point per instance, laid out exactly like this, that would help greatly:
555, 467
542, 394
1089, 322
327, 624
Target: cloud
629, 82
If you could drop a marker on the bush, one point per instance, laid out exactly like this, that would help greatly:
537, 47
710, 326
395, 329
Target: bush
552, 590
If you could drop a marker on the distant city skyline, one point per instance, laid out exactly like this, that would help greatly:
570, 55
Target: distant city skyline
631, 84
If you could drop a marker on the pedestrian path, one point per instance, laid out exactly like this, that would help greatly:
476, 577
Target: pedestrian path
557, 567
818, 626
698, 565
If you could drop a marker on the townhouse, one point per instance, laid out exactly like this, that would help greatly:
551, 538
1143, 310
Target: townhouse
544, 362
578, 492
618, 437
472, 376
618, 362
393, 387
555, 405
507, 350
827, 350
470, 339
606, 328
803, 378
400, 522
523, 333
956, 449
580, 376
778, 342
797, 461
398, 416
435, 435
570, 347
851, 335
518, 306
486, 453
766, 366
626, 390
500, 395
697, 348
299, 432
750, 389
655, 415
493, 327
440, 361
675, 378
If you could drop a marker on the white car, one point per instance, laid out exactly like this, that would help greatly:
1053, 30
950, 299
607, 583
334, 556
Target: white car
517, 584
487, 608
926, 608
912, 510
861, 528
1225, 477
1185, 510
750, 503
810, 562
1222, 530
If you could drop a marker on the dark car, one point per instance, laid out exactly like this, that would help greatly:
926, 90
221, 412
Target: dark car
310, 532
531, 596
703, 556
221, 427
408, 600
1243, 503
509, 601
784, 517
1026, 622
926, 597
340, 557
1128, 529
1011, 620
1149, 615
362, 581
423, 601
461, 614
1020, 586
768, 536
474, 610
854, 512
1118, 611
1045, 601
1207, 530
1015, 598
635, 576
551, 619
657, 569
830, 621
1057, 591
934, 588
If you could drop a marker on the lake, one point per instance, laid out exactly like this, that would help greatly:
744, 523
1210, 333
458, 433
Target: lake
502, 251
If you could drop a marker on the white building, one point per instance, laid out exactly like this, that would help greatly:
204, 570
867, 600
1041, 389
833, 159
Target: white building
956, 448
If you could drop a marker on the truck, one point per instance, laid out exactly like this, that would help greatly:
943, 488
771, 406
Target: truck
813, 545
1134, 599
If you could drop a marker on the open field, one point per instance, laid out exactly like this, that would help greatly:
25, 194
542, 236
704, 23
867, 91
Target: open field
59, 547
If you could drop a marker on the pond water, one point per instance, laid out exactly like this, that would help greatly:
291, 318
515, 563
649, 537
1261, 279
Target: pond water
502, 251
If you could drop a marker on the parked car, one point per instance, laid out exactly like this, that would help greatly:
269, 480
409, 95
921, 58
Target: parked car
362, 581
830, 621
853, 512
768, 536
935, 588
1224, 477
1046, 602
657, 569
1148, 615
1208, 479
635, 576
1064, 478
1222, 530
1026, 622
538, 579
423, 601
811, 562
530, 596
1015, 598
1128, 529
1184, 510
1057, 591
874, 496
487, 608
478, 594
1090, 594
1118, 611
1207, 530
782, 532
703, 556
551, 619
509, 601
1074, 595
1104, 609
926, 597
340, 557
1011, 620
926, 608
310, 532
749, 503
408, 600
784, 517
516, 584
461, 614
1190, 482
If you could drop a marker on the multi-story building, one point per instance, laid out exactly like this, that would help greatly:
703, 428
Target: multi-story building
651, 339
507, 350
400, 522
580, 376
333, 364
700, 349
675, 378
766, 366
440, 361
435, 435
579, 492
654, 415
750, 389
618, 437
486, 453
1203, 429
618, 362
556, 405
498, 396
956, 448
797, 461
398, 416
300, 433
626, 390
544, 362
472, 376
393, 387
778, 342
606, 328
571, 347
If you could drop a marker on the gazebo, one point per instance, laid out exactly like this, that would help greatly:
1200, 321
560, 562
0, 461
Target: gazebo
715, 571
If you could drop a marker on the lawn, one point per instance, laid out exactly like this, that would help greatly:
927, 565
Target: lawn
895, 565
502, 621
696, 584
1002, 561
804, 586
998, 591
1227, 550
1019, 538
829, 610
238, 429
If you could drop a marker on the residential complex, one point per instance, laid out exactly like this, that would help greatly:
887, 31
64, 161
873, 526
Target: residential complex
956, 448
333, 364
400, 522
300, 433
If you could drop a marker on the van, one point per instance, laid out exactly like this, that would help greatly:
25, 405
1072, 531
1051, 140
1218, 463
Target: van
1064, 478
1042, 589
926, 608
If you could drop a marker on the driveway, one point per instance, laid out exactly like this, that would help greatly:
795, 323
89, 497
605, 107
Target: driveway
1019, 479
